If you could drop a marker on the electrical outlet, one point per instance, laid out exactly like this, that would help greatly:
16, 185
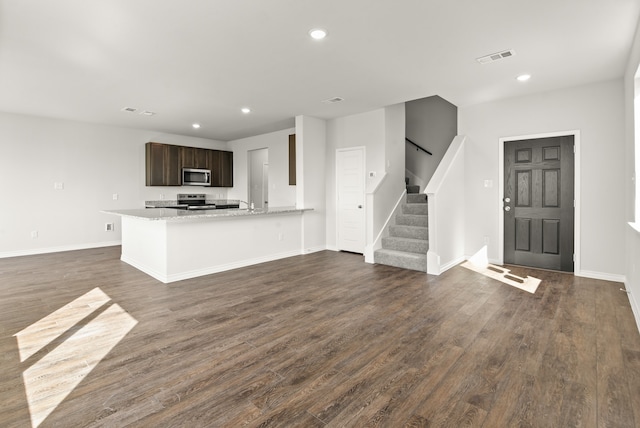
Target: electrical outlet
58, 186
34, 234
108, 227
280, 236
161, 195
115, 196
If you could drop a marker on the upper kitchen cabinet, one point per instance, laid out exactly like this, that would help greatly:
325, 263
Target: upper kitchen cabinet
193, 157
163, 165
221, 163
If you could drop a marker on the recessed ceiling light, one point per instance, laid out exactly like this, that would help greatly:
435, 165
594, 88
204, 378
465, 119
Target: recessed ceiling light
523, 77
196, 125
147, 113
318, 33
245, 110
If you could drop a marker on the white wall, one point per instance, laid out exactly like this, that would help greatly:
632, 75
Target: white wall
432, 123
632, 167
597, 111
311, 149
93, 162
447, 211
281, 194
360, 130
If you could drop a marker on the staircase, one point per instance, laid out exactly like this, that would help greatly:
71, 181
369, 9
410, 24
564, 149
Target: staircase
408, 241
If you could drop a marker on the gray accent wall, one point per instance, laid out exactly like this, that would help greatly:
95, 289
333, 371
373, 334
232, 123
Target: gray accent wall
431, 123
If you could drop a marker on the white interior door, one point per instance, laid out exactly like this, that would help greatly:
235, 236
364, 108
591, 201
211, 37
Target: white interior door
350, 191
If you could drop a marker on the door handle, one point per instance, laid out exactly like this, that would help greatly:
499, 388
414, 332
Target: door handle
507, 208
507, 199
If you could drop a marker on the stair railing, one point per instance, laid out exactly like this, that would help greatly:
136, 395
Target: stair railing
419, 147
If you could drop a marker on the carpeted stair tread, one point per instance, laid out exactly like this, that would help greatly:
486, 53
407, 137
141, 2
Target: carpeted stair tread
413, 188
416, 209
401, 259
416, 198
408, 241
402, 231
412, 220
409, 245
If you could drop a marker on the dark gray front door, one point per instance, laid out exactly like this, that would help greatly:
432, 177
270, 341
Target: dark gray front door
539, 203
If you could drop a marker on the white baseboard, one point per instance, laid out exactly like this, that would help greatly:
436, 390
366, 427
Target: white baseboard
452, 263
145, 269
208, 270
34, 251
635, 308
601, 275
435, 268
314, 249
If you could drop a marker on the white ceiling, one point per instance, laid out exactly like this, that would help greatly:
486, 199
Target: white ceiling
202, 60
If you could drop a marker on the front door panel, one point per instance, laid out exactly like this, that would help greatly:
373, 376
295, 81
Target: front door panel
539, 203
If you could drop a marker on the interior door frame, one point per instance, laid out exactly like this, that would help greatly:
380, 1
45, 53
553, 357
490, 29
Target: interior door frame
577, 267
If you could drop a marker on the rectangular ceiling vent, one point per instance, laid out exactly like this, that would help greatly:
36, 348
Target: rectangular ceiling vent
129, 109
496, 56
333, 100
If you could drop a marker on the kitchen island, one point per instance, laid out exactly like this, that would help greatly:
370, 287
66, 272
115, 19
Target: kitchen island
173, 244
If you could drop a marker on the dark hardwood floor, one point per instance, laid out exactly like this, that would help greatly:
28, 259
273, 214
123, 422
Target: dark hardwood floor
317, 340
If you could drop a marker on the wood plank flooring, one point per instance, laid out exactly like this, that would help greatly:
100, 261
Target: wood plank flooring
317, 340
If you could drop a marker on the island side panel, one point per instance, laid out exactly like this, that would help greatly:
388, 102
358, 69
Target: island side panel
144, 246
202, 247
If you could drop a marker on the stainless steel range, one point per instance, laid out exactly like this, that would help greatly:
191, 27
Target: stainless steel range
198, 201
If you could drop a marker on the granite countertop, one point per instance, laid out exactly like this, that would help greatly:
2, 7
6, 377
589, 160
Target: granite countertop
176, 214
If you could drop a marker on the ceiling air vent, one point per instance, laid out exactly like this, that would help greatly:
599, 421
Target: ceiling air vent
129, 109
496, 56
333, 100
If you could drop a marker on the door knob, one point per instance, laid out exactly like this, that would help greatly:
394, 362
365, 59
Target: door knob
507, 200
507, 208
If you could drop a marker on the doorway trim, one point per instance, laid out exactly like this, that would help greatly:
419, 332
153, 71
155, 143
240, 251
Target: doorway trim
577, 266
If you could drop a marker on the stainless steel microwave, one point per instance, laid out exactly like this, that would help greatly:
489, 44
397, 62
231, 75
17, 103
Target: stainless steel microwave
196, 177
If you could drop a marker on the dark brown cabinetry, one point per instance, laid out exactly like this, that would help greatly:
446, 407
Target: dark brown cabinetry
292, 159
193, 157
164, 163
221, 168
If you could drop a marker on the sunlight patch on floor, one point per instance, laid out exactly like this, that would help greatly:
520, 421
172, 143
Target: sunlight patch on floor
41, 333
51, 379
479, 263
